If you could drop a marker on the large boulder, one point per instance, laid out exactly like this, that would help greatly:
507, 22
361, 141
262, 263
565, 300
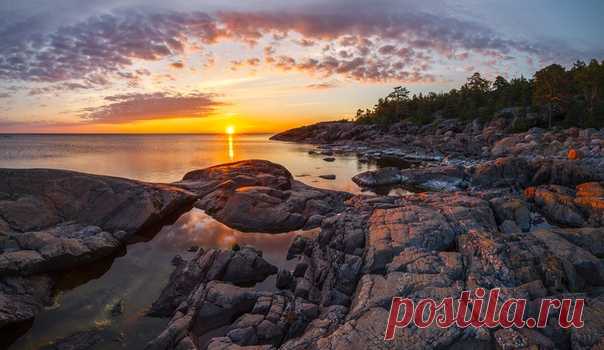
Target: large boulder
260, 196
53, 220
56, 219
388, 176
437, 178
37, 199
58, 248
240, 174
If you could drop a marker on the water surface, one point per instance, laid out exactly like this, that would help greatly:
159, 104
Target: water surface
134, 278
166, 158
86, 296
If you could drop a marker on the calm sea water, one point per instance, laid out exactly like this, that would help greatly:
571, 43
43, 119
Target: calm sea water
166, 158
135, 277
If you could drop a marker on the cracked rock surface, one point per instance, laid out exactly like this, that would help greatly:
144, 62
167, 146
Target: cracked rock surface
530, 227
336, 290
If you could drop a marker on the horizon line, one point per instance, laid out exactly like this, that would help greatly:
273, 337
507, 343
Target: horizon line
134, 133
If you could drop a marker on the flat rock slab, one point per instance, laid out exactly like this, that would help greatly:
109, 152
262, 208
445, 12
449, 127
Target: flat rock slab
431, 221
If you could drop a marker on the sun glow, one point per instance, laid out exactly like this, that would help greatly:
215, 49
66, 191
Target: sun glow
230, 130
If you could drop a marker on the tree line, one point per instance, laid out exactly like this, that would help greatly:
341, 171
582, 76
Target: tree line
554, 95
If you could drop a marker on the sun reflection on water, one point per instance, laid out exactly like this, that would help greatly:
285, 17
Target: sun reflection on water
231, 148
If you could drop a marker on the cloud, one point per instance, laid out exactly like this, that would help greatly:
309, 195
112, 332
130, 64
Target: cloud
20, 126
177, 65
140, 106
305, 42
323, 86
357, 68
423, 30
389, 41
250, 62
72, 86
100, 45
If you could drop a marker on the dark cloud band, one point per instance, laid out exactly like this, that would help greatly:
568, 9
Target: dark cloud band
134, 107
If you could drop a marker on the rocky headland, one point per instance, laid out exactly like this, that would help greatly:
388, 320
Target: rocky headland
448, 140
488, 208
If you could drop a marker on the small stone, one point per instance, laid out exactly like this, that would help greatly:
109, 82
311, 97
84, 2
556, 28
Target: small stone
298, 246
329, 159
335, 297
573, 154
117, 308
243, 336
328, 177
284, 279
303, 287
268, 330
509, 339
300, 269
177, 260
509, 226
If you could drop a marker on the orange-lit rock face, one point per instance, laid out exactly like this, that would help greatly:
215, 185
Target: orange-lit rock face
591, 195
573, 154
529, 192
590, 189
568, 207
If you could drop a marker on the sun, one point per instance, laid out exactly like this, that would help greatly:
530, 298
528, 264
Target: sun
230, 130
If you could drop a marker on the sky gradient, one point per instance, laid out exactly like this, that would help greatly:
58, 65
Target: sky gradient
262, 66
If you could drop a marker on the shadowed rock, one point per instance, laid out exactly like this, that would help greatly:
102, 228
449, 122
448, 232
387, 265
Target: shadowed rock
383, 177
57, 219
243, 267
52, 220
263, 319
522, 172
21, 298
81, 340
35, 199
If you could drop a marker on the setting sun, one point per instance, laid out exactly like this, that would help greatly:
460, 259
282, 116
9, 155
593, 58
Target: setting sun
230, 130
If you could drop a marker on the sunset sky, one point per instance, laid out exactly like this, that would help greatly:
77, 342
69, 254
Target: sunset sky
262, 66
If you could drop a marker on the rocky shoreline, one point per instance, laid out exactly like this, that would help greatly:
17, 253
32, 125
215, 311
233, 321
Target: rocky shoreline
523, 212
450, 141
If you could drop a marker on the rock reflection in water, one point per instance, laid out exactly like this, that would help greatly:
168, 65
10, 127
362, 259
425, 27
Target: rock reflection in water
86, 298
197, 229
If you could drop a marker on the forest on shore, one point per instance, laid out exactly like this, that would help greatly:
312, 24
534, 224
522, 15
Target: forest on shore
554, 96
